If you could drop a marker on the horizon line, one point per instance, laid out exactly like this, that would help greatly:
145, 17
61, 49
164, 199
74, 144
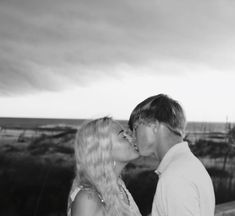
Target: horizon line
118, 119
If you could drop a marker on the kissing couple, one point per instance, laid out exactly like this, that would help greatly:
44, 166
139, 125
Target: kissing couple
103, 147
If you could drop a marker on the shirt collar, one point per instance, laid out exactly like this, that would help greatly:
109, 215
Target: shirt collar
173, 153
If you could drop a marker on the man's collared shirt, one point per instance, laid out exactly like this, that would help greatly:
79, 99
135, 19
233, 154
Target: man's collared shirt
184, 187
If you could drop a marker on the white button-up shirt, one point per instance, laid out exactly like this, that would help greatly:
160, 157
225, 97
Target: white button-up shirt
184, 187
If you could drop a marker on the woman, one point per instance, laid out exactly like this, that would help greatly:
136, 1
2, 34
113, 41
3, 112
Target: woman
102, 149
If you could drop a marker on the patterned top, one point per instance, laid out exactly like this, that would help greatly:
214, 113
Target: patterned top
133, 207
75, 190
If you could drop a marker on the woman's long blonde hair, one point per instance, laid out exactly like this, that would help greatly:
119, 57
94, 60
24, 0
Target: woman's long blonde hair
94, 164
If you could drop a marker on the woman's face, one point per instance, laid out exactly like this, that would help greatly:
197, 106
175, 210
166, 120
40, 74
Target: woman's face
123, 149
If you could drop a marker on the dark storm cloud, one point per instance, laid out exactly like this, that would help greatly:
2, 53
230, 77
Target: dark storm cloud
50, 45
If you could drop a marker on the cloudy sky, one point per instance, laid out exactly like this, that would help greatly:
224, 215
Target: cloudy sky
87, 58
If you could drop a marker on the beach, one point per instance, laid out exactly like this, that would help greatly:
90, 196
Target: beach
37, 165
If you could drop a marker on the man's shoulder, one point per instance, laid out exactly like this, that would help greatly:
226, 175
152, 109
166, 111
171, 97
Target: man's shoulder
187, 162
187, 169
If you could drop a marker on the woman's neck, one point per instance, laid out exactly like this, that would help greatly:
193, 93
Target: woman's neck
118, 168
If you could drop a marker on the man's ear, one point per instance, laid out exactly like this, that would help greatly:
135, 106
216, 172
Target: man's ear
155, 126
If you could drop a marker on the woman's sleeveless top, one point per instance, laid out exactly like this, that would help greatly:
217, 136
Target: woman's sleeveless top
133, 207
75, 190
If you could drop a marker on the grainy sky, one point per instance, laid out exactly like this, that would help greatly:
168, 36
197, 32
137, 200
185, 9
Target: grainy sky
87, 58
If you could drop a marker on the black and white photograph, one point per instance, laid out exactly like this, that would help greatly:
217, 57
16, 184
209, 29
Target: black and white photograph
117, 108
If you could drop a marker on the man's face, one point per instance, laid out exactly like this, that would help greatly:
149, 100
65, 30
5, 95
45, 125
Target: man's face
145, 138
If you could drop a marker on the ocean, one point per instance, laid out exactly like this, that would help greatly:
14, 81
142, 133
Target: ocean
29, 123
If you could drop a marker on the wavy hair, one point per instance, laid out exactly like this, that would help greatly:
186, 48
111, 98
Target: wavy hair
94, 164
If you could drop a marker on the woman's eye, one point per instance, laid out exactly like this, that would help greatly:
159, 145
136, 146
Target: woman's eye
124, 136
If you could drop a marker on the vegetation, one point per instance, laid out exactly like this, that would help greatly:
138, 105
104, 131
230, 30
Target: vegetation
36, 174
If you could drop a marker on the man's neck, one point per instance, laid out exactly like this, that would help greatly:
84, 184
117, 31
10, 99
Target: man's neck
166, 143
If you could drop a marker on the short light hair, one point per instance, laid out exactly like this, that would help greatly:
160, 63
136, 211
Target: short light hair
161, 108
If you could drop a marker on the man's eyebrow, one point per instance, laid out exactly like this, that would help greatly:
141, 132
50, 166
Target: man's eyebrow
120, 131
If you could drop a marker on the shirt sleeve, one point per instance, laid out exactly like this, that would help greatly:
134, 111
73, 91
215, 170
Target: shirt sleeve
176, 197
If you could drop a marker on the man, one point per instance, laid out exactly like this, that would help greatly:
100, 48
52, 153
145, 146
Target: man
184, 186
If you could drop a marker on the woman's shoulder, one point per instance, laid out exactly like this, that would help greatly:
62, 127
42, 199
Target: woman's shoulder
87, 197
86, 202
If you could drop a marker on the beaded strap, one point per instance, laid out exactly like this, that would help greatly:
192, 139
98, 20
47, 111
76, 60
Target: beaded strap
91, 189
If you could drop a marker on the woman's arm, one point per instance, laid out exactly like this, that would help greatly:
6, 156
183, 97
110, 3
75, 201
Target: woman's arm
86, 203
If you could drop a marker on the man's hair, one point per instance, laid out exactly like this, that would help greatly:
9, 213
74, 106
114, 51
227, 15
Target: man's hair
161, 108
